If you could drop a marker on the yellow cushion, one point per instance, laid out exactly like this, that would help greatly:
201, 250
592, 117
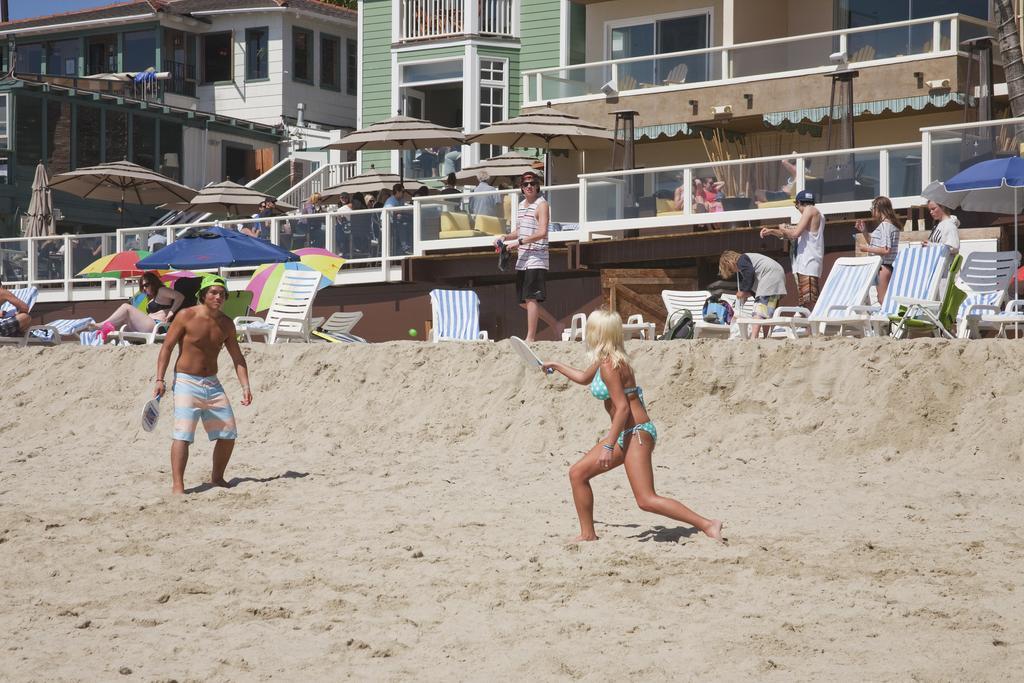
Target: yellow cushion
489, 225
666, 207
454, 222
455, 234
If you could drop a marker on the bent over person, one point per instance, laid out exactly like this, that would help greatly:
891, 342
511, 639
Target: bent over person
199, 333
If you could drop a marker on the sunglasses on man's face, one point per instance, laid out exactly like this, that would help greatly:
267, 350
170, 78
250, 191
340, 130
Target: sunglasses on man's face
531, 183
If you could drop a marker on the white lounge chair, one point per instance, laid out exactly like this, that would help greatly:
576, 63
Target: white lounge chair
847, 285
338, 327
985, 277
917, 274
288, 317
635, 325
455, 316
693, 301
55, 331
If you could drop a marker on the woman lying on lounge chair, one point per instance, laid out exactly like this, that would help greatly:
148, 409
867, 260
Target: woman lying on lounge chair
164, 302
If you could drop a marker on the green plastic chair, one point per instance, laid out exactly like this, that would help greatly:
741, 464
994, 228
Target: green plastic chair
922, 318
237, 303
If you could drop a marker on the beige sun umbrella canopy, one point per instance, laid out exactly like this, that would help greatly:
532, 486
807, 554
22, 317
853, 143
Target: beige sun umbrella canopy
505, 165
39, 217
232, 199
367, 182
400, 132
122, 181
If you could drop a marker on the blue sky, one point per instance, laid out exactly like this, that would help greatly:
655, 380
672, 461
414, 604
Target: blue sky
24, 9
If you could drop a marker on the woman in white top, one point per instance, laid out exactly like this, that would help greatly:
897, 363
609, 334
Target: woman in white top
884, 240
809, 248
947, 228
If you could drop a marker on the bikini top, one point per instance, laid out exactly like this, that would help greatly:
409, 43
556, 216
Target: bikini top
599, 389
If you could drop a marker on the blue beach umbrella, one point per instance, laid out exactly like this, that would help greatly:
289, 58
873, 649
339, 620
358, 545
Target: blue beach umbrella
990, 186
215, 247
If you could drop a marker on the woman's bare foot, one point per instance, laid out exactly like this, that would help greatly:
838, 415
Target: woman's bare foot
584, 537
223, 484
177, 490
714, 530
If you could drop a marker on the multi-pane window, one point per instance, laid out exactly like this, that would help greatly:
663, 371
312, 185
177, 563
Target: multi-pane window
351, 66
330, 62
62, 57
257, 58
302, 55
217, 57
492, 99
29, 59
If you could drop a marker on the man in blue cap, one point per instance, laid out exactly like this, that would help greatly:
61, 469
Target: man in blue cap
808, 252
200, 332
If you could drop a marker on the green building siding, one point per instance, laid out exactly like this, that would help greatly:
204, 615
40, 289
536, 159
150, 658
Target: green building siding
375, 73
454, 51
540, 34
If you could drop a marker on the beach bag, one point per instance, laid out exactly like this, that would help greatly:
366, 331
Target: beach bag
679, 325
717, 311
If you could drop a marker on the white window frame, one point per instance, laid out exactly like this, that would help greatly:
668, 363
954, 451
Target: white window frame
503, 84
653, 19
436, 60
5, 137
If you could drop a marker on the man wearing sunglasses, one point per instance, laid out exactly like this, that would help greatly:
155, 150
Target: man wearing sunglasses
200, 332
530, 238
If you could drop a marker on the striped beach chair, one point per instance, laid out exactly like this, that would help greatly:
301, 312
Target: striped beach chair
54, 332
985, 278
455, 316
29, 296
917, 274
847, 285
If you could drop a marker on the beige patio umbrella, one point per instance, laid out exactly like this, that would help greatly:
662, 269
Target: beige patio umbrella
400, 132
504, 165
232, 199
548, 128
40, 207
122, 181
367, 182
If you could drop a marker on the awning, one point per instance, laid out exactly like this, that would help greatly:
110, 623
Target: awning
668, 131
797, 117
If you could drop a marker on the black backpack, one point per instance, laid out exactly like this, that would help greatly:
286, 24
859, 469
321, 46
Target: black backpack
679, 325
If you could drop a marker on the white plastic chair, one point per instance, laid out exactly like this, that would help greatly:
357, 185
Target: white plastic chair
985, 277
288, 317
847, 285
455, 316
338, 327
634, 325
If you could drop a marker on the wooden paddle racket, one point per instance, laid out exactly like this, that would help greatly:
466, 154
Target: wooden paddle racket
528, 356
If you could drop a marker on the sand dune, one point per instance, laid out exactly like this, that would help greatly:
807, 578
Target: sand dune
400, 513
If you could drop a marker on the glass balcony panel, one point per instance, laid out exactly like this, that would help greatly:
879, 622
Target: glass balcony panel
844, 177
14, 262
357, 235
146, 239
87, 248
564, 206
577, 81
968, 31
886, 43
904, 172
49, 255
400, 226
955, 150
809, 53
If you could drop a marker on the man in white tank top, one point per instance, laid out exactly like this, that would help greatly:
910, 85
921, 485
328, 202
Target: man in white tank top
530, 238
808, 236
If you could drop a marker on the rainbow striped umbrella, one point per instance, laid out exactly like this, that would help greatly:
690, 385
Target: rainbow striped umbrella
121, 264
267, 278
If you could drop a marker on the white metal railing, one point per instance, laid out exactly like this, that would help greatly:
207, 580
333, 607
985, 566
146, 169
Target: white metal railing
432, 19
326, 176
779, 57
947, 150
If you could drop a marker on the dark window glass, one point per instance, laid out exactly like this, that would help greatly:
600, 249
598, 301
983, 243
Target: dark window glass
330, 62
62, 57
217, 57
170, 149
116, 135
302, 55
144, 141
28, 141
4, 142
87, 136
101, 55
58, 136
873, 12
351, 67
139, 50
256, 53
29, 59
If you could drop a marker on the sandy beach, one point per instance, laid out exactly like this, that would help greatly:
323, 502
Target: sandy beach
400, 512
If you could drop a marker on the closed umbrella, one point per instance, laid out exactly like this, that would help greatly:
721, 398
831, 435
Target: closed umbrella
40, 206
509, 164
122, 181
548, 128
232, 199
215, 247
366, 182
400, 132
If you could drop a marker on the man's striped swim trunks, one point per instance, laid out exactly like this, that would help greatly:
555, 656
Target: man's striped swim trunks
201, 397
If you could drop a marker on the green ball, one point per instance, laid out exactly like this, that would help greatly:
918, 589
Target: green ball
413, 332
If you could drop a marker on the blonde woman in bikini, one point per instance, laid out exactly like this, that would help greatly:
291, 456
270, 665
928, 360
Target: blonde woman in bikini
631, 436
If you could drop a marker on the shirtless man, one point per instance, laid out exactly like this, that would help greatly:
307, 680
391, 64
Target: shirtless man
201, 331
13, 325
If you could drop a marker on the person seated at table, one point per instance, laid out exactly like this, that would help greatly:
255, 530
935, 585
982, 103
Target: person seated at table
164, 302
